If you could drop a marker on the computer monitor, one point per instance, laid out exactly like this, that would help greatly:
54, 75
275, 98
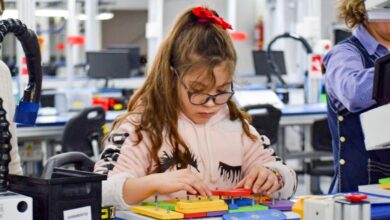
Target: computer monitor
381, 87
262, 67
340, 35
134, 55
108, 64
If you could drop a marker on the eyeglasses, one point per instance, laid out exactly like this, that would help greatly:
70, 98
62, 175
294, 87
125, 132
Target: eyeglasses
197, 98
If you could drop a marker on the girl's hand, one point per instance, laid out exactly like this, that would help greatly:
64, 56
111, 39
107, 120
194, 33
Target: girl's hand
185, 179
261, 180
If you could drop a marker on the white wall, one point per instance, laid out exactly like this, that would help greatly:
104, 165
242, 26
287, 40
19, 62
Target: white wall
247, 11
173, 8
328, 17
247, 15
127, 27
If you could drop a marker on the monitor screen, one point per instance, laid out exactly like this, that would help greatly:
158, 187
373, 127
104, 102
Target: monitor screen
108, 64
340, 35
134, 51
381, 89
261, 65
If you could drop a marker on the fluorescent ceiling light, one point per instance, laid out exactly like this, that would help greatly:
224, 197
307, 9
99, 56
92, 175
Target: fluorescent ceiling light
101, 16
51, 13
9, 13
12, 13
105, 16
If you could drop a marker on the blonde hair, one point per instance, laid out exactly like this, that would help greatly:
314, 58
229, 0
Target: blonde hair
353, 12
190, 45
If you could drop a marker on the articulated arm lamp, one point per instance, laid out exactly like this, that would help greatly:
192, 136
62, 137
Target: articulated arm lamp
271, 61
27, 110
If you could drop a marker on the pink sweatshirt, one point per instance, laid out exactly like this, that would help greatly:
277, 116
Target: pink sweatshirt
221, 155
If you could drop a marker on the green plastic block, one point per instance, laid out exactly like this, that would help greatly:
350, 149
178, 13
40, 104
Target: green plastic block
323, 98
249, 208
384, 180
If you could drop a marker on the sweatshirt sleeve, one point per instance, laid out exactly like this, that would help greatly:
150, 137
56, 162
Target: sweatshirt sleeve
121, 159
258, 153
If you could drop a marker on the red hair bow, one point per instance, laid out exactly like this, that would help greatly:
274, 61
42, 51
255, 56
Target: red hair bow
205, 15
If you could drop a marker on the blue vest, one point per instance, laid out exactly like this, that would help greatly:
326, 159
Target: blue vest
354, 165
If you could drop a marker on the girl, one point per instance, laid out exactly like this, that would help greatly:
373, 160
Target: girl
182, 132
349, 83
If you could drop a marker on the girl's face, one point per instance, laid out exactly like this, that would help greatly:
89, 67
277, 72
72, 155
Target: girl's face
194, 90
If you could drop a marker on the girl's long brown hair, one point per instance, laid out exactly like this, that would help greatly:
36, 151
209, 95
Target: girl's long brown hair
190, 45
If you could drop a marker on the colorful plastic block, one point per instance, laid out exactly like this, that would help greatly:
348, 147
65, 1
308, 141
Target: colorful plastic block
282, 205
165, 205
219, 213
241, 201
158, 213
271, 214
384, 180
196, 206
232, 192
195, 215
249, 208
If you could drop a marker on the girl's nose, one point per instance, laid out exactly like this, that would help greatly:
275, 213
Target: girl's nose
210, 102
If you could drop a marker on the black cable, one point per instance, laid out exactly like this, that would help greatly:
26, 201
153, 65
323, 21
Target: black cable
30, 45
28, 108
5, 148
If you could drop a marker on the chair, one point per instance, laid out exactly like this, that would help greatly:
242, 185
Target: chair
80, 161
84, 132
321, 142
266, 119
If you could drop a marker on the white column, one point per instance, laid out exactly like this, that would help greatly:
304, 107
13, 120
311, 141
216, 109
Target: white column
232, 13
154, 27
71, 52
26, 11
92, 26
45, 25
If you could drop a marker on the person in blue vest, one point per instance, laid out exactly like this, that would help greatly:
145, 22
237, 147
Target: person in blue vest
349, 74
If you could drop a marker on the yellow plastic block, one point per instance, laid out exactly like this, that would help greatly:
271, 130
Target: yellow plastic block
196, 199
202, 205
299, 204
384, 185
158, 213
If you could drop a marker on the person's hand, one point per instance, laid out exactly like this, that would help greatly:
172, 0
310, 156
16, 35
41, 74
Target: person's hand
185, 179
261, 180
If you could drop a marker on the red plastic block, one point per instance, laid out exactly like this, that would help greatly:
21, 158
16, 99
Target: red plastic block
232, 192
195, 215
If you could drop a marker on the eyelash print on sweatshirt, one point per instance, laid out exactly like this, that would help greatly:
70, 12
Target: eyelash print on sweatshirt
110, 153
118, 139
229, 173
169, 161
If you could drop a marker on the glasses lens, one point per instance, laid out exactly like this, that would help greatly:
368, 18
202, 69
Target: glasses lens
198, 98
222, 98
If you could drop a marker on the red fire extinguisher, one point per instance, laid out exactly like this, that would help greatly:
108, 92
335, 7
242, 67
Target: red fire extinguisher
259, 34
